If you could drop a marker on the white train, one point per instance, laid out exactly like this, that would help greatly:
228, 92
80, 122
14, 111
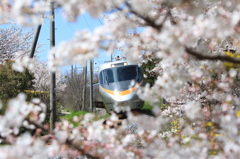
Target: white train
118, 82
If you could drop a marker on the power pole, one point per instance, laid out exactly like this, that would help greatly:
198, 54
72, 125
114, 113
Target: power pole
53, 110
91, 88
72, 71
84, 86
37, 32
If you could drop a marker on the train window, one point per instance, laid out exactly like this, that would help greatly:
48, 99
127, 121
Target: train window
101, 78
109, 76
118, 74
106, 76
129, 73
126, 73
140, 75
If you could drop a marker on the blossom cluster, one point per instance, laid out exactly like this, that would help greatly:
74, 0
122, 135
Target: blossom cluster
201, 92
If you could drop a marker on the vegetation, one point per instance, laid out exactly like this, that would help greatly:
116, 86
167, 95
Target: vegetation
15, 42
162, 105
195, 75
80, 115
148, 71
12, 82
147, 106
73, 91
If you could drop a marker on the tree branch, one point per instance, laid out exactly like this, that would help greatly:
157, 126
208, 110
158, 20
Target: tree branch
147, 19
67, 142
201, 56
77, 147
37, 125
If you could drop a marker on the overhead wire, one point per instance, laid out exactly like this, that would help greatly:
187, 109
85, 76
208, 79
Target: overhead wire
100, 21
87, 22
66, 22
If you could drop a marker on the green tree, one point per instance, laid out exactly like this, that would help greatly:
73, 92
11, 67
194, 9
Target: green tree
12, 82
149, 74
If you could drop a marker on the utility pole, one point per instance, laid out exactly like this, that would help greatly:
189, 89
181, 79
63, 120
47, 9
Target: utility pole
53, 110
33, 48
84, 86
71, 71
91, 88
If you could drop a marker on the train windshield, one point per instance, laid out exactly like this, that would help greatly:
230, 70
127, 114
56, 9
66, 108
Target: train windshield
118, 74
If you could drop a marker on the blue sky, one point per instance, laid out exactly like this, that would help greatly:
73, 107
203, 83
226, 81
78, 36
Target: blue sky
65, 31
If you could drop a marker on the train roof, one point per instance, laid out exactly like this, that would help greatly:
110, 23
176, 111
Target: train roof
116, 63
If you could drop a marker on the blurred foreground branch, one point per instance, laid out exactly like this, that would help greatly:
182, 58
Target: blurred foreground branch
202, 56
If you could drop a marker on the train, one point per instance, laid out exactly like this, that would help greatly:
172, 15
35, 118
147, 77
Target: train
118, 84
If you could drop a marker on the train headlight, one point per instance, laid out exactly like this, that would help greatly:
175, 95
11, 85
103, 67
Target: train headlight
119, 64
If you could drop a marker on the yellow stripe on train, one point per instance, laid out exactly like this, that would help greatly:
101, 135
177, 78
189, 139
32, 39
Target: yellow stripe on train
121, 93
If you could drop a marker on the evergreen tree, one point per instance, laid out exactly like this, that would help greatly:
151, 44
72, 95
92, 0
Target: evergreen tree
148, 71
12, 82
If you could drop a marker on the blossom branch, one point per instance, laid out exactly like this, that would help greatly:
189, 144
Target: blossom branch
67, 142
201, 56
76, 147
149, 21
37, 125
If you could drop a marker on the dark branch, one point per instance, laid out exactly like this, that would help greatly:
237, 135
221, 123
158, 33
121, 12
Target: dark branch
201, 56
147, 19
37, 125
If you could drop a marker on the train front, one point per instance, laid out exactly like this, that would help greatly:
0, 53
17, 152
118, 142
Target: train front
118, 85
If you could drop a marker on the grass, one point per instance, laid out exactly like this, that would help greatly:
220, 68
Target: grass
147, 106
69, 117
103, 117
81, 114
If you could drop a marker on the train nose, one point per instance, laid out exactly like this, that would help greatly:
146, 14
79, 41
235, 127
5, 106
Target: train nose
123, 98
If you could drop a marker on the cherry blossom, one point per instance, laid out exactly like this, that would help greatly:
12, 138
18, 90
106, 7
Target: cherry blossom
197, 44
